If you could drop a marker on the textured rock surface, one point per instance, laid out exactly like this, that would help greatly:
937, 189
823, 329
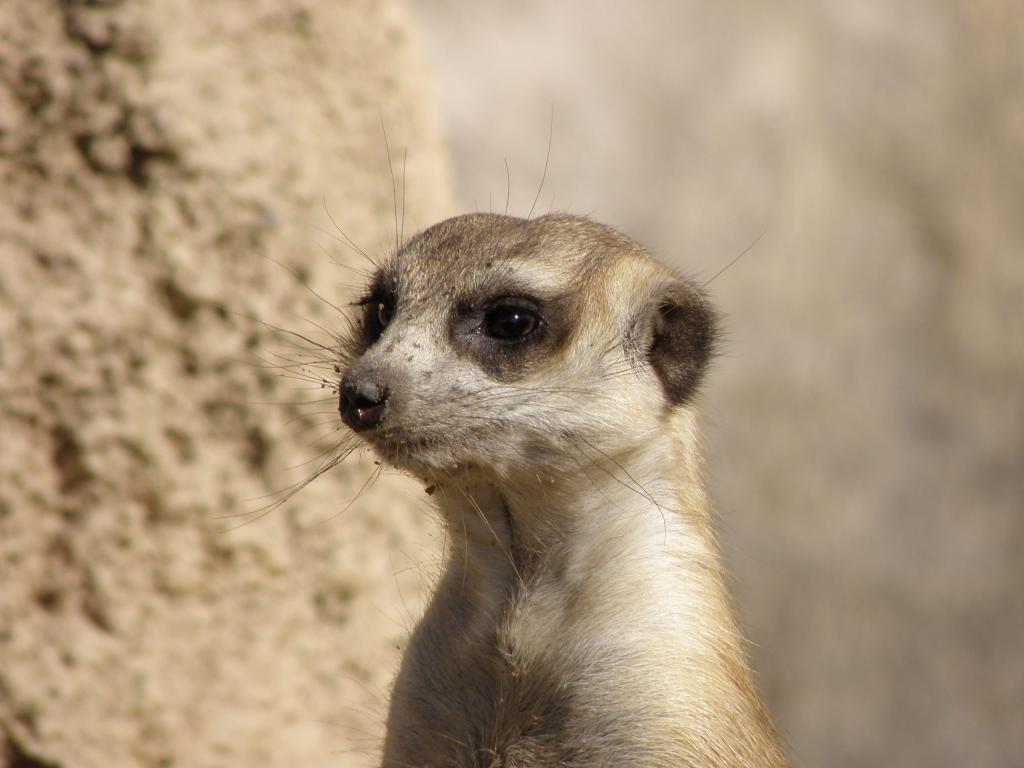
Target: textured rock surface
154, 158
866, 420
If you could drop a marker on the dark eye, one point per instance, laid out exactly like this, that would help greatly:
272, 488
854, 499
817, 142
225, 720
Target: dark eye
376, 316
510, 323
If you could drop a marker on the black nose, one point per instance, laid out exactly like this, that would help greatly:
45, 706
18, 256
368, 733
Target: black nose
362, 403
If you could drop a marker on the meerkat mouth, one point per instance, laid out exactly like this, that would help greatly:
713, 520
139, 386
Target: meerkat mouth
405, 450
435, 454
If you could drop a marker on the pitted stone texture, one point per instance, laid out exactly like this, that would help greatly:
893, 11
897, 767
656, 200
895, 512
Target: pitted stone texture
164, 169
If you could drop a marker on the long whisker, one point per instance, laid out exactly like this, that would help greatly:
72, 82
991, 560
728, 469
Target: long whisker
508, 186
346, 239
497, 540
375, 475
401, 231
286, 331
288, 494
394, 187
743, 253
547, 158
304, 284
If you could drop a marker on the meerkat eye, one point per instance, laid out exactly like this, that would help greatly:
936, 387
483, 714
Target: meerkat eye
376, 316
510, 323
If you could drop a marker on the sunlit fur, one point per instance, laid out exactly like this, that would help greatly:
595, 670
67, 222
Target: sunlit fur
581, 619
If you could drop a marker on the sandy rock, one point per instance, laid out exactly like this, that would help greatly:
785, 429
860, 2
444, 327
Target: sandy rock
164, 169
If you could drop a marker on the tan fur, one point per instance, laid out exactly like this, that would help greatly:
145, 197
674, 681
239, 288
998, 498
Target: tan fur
581, 619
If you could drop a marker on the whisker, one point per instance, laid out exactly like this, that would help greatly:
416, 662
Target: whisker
288, 495
319, 456
547, 158
286, 331
497, 540
743, 253
508, 186
374, 476
394, 189
318, 401
401, 231
363, 273
305, 285
347, 240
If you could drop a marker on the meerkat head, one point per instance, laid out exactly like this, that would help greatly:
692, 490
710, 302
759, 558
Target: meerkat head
503, 345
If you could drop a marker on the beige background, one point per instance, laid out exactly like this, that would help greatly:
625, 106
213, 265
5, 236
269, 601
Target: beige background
866, 423
154, 157
866, 416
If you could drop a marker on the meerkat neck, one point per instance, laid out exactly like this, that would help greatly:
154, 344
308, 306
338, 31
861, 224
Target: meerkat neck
620, 515
619, 558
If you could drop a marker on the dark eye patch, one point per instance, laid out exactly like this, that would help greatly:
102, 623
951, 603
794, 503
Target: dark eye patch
377, 314
507, 335
378, 309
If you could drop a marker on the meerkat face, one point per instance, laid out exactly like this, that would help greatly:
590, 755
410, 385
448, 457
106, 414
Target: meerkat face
502, 345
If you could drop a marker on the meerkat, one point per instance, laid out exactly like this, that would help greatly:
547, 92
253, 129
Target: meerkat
540, 377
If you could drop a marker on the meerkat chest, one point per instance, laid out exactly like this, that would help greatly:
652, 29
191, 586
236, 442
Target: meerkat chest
537, 682
498, 699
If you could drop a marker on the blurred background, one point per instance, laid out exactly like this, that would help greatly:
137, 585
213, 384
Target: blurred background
167, 170
865, 422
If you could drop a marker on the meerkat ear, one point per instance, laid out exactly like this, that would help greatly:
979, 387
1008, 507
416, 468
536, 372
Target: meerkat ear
681, 338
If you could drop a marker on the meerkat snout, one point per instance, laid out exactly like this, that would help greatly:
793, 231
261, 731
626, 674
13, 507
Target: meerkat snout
362, 401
